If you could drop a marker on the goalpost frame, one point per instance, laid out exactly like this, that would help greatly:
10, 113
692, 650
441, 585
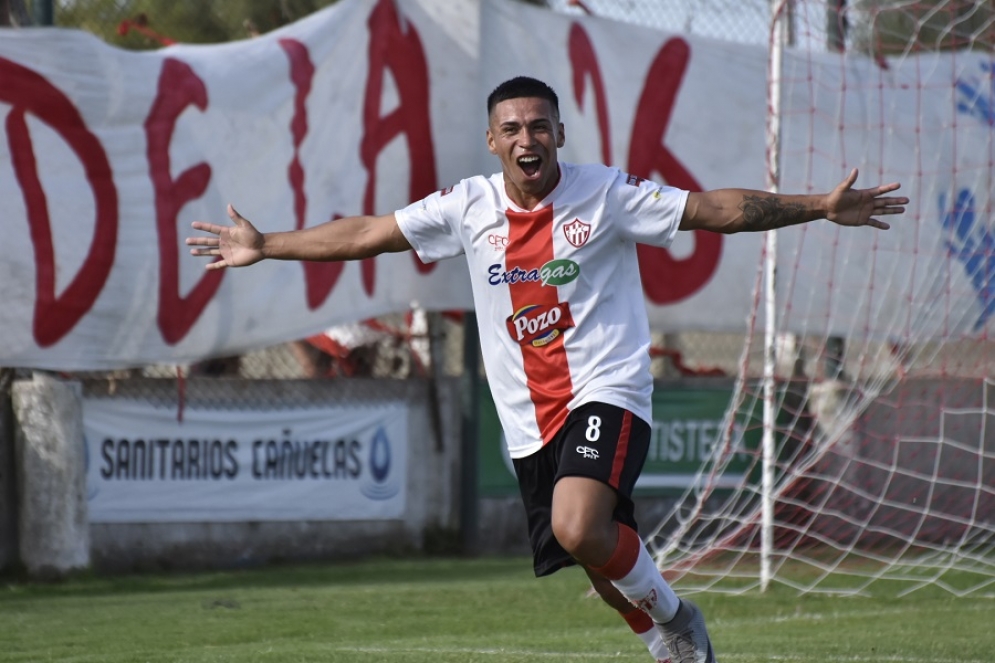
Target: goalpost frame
780, 36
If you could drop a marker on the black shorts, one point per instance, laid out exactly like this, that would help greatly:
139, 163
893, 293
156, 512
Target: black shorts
599, 441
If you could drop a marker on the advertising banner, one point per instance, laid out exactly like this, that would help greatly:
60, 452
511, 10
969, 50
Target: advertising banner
332, 463
687, 423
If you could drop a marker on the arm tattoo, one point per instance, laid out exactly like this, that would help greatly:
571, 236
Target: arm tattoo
769, 212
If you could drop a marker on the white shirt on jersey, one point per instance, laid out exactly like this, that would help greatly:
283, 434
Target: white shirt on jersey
557, 289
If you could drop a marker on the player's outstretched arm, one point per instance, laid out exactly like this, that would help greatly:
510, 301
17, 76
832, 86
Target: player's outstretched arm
745, 210
351, 238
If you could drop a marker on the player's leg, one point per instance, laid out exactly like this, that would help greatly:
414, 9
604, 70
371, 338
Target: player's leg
583, 524
682, 626
600, 456
536, 475
640, 623
533, 473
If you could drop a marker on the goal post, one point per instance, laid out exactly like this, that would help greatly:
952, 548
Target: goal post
876, 388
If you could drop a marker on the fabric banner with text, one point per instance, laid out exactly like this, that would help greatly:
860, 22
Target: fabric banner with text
106, 156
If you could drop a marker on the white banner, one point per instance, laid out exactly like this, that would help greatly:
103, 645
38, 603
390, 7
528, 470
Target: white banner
333, 463
929, 124
106, 156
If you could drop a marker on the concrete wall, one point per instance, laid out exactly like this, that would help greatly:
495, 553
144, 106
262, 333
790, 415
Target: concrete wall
8, 488
53, 529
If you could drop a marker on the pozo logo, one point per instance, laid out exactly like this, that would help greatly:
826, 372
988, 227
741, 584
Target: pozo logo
554, 272
539, 325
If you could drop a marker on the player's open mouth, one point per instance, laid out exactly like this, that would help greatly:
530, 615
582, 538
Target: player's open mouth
530, 164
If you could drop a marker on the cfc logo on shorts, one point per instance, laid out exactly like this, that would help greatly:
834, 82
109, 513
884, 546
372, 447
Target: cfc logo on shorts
588, 452
539, 325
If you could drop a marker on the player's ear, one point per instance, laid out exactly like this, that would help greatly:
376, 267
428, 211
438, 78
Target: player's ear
491, 146
561, 136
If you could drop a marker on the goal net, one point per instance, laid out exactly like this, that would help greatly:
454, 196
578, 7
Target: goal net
880, 455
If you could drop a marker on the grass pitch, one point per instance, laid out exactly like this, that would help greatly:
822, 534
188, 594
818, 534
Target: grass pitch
459, 611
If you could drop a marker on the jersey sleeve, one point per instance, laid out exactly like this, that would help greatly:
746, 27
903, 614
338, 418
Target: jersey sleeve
431, 225
646, 212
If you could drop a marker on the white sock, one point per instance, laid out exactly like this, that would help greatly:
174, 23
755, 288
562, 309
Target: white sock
632, 571
647, 589
645, 629
653, 640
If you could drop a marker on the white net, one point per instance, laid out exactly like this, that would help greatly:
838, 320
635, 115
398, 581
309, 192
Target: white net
883, 466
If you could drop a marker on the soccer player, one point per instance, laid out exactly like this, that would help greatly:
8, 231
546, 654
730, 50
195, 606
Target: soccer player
563, 326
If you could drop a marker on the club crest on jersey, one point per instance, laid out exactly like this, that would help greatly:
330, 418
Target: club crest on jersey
538, 325
577, 232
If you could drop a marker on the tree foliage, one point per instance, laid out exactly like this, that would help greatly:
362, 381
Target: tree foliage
148, 24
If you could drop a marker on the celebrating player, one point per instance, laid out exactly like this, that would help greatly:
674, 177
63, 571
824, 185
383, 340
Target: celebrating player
563, 326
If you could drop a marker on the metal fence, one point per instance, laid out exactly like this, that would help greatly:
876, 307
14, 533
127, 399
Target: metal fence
743, 21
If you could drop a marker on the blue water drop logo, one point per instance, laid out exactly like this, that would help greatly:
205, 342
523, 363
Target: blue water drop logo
381, 485
380, 456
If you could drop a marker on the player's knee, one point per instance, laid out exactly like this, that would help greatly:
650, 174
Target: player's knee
577, 536
568, 533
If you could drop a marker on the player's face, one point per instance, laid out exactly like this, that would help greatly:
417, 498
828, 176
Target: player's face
524, 134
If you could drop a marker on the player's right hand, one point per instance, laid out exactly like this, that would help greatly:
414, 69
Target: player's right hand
235, 246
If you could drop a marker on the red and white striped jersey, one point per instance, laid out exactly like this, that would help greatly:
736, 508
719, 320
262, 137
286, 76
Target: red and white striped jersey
557, 289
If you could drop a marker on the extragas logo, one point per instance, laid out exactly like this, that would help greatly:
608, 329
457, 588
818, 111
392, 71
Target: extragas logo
559, 272
554, 272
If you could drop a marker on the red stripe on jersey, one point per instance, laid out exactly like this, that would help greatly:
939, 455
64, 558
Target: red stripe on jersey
621, 450
530, 246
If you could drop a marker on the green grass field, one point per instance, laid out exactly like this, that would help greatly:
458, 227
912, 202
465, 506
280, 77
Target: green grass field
431, 611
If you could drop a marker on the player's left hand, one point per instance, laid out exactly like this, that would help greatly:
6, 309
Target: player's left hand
860, 207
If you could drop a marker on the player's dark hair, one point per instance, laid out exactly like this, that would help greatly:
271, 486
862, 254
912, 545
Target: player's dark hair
522, 86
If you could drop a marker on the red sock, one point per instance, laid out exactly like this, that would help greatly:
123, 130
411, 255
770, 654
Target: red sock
645, 629
624, 558
632, 570
638, 621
